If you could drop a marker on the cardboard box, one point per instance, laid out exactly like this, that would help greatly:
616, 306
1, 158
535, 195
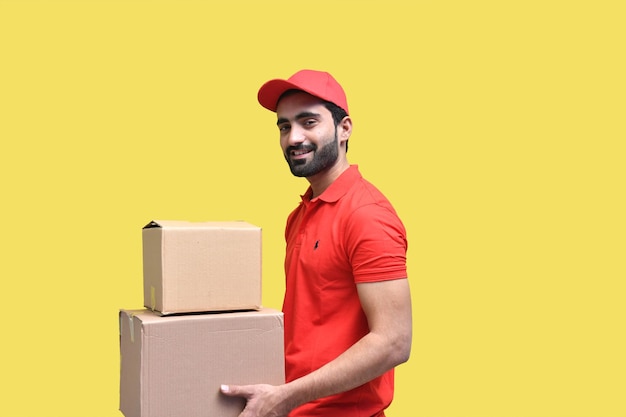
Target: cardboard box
173, 366
201, 266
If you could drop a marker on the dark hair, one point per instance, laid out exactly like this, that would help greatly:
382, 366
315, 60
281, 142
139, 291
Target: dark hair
337, 112
338, 115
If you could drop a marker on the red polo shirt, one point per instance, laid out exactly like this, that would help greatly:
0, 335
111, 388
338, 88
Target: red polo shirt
350, 234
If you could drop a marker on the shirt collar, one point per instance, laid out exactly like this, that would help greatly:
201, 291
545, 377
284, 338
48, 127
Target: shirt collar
338, 188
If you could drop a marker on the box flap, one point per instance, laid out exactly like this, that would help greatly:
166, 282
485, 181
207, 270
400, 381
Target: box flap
167, 223
182, 224
152, 225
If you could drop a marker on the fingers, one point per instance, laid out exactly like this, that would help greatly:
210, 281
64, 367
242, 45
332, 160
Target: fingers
235, 391
226, 389
261, 399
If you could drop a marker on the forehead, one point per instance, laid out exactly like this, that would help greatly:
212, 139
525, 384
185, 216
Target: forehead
298, 102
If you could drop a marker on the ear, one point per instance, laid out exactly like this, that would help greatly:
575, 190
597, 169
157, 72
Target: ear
344, 129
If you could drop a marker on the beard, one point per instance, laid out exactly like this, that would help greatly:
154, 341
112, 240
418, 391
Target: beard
324, 157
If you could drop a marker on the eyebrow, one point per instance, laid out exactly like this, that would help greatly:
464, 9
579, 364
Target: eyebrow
302, 115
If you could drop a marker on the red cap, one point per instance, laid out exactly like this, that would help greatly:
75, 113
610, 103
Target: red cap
317, 83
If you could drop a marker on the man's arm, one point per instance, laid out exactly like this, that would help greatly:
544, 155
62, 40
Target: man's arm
387, 306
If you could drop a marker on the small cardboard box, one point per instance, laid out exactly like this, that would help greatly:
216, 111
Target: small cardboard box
193, 267
173, 366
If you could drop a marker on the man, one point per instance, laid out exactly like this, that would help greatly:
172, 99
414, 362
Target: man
347, 304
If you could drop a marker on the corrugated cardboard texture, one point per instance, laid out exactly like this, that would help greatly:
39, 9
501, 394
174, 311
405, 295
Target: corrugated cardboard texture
172, 366
196, 267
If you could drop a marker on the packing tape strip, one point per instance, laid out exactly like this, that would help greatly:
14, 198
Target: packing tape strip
131, 327
152, 298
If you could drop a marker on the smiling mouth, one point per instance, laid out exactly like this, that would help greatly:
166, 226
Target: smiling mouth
300, 152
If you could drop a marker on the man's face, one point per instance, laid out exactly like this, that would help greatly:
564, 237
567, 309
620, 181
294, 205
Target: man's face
308, 136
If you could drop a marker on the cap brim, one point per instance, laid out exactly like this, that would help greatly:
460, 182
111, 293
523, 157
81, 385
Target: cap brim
270, 92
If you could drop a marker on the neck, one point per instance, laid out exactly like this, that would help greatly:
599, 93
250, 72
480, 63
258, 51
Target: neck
321, 181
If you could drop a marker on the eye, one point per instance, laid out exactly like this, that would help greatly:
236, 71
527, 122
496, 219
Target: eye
310, 122
284, 127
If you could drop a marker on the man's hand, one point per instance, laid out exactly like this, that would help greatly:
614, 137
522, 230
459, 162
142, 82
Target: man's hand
262, 400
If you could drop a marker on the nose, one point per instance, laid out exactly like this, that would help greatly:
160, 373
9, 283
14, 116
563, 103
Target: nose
295, 136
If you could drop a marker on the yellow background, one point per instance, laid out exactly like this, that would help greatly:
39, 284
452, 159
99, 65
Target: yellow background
496, 128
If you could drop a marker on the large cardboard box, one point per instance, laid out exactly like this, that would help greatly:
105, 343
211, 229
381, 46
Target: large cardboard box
201, 266
173, 366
